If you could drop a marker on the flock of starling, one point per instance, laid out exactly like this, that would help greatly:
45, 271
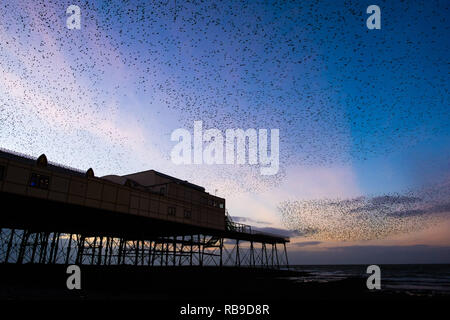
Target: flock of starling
336, 90
368, 218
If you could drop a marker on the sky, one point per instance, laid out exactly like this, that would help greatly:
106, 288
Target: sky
363, 114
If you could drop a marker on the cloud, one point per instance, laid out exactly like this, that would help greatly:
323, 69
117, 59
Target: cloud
306, 243
249, 220
278, 231
414, 254
436, 209
393, 199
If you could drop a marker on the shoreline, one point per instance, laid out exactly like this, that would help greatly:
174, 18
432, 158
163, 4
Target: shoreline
185, 284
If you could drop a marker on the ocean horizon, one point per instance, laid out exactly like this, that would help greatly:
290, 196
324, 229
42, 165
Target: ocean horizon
414, 279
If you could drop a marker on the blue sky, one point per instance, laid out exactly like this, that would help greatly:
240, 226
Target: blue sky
361, 112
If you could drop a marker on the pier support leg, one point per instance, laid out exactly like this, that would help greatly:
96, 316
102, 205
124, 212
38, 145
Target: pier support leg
23, 245
10, 242
238, 257
69, 247
285, 254
221, 252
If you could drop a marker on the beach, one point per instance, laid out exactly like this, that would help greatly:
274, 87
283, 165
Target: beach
216, 285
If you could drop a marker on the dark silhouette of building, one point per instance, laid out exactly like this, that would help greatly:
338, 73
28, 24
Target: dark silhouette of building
56, 214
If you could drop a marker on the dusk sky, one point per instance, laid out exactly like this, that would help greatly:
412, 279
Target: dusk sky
363, 114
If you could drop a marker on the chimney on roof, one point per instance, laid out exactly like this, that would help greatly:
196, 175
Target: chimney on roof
90, 173
42, 161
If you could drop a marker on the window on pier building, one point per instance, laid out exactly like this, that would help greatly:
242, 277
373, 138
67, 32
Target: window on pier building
171, 211
187, 214
39, 181
2, 172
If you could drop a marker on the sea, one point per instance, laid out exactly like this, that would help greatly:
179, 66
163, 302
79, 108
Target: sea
413, 279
